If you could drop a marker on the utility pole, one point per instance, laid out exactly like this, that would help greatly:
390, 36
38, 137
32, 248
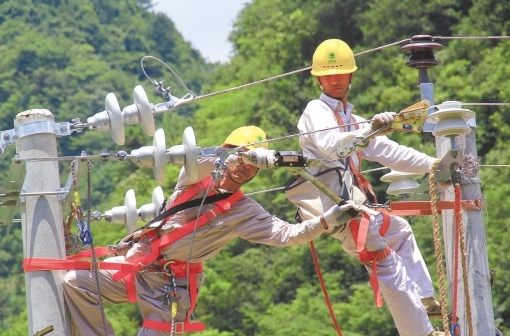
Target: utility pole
41, 217
421, 51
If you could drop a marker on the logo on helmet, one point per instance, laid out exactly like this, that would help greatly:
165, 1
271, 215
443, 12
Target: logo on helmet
331, 57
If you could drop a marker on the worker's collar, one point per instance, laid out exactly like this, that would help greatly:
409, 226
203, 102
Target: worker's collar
337, 105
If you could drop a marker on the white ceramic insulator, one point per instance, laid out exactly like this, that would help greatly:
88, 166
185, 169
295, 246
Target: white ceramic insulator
125, 214
99, 121
112, 108
401, 183
451, 119
143, 156
159, 145
148, 212
190, 148
145, 112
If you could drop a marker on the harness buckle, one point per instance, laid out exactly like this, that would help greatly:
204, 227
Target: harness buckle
169, 272
179, 327
95, 266
382, 254
211, 214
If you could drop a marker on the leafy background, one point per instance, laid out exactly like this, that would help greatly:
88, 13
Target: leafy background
67, 55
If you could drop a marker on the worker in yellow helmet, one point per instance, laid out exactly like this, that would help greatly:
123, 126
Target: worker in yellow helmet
162, 262
388, 248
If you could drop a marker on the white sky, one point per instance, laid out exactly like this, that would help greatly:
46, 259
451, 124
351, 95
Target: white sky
204, 23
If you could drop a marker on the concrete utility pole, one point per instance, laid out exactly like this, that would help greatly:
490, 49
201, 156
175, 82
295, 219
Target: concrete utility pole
421, 51
42, 225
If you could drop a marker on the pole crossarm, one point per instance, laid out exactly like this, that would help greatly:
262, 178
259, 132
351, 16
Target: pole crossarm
423, 208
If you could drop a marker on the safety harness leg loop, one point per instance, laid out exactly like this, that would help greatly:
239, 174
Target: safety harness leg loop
359, 232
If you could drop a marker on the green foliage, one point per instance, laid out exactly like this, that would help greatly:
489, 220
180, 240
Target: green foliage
66, 55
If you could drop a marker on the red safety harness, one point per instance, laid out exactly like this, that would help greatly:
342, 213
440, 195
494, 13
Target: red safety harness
359, 228
126, 271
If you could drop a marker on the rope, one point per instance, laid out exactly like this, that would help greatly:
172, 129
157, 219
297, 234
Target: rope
323, 287
456, 255
96, 271
437, 246
460, 233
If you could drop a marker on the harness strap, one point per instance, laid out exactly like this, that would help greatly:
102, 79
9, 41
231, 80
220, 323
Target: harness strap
192, 191
160, 243
360, 181
180, 327
48, 264
359, 232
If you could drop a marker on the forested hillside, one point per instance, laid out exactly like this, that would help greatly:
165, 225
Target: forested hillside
67, 55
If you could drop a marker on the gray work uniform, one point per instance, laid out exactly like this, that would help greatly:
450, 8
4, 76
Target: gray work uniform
245, 219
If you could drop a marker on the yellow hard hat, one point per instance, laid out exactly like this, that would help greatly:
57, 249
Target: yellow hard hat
246, 135
333, 57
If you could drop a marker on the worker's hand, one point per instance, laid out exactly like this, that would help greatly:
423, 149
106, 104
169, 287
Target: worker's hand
382, 119
260, 157
341, 214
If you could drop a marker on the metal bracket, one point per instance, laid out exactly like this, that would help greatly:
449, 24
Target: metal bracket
450, 162
10, 136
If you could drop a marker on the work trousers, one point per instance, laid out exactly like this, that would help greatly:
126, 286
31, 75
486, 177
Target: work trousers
80, 292
403, 276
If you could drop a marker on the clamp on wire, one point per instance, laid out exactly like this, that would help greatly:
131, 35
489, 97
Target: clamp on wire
166, 92
222, 153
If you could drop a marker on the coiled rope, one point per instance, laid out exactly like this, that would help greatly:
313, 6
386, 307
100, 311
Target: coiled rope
459, 237
437, 245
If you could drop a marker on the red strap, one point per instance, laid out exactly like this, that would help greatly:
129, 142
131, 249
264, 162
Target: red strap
362, 183
180, 327
159, 244
323, 287
48, 264
359, 233
130, 287
192, 191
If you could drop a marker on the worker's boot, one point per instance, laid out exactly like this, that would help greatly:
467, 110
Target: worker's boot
433, 307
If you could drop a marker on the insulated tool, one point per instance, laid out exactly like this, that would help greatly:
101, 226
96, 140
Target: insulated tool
410, 119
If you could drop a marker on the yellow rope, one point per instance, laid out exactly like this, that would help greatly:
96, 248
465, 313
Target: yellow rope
437, 246
463, 257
